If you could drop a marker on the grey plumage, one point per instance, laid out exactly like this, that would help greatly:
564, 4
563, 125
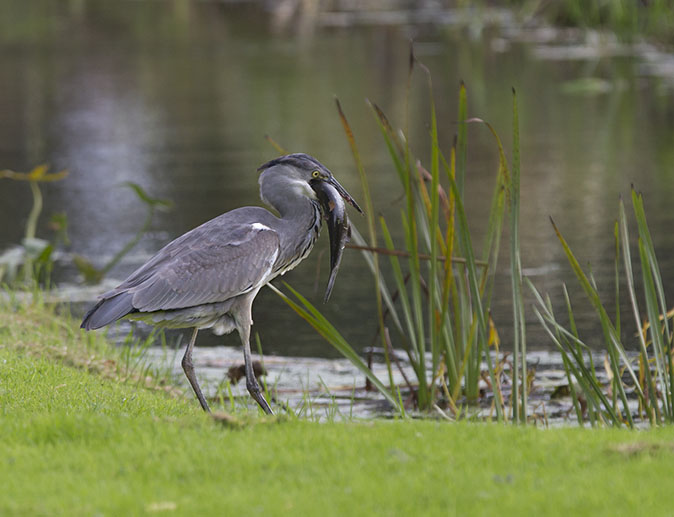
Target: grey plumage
201, 267
208, 277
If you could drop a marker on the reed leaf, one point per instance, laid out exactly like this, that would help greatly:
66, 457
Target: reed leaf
368, 255
655, 331
645, 234
614, 346
473, 284
403, 295
571, 348
650, 408
372, 230
519, 325
462, 140
662, 337
311, 315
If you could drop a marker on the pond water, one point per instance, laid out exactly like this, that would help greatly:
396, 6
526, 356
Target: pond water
334, 389
177, 97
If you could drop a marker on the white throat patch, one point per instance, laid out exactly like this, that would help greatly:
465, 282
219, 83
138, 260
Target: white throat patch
302, 188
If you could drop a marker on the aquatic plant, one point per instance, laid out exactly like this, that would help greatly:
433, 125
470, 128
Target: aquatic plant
647, 377
30, 261
440, 309
91, 273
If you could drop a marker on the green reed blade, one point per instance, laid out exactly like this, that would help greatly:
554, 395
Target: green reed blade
417, 306
494, 231
613, 342
629, 275
567, 364
358, 239
474, 288
616, 275
434, 320
572, 389
492, 241
519, 330
652, 264
452, 355
395, 148
372, 230
655, 331
402, 289
583, 375
640, 215
312, 316
462, 140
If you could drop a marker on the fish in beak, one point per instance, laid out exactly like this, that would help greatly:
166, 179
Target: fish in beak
332, 197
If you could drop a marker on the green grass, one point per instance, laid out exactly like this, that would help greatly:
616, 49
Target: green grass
78, 440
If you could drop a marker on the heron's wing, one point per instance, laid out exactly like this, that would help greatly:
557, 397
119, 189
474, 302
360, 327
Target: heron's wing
206, 265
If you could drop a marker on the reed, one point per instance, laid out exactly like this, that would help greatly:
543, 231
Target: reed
647, 377
436, 302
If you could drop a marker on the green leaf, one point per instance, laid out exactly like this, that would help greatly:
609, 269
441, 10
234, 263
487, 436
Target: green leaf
312, 316
87, 269
162, 204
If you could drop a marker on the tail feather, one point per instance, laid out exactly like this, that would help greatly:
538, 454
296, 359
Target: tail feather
108, 310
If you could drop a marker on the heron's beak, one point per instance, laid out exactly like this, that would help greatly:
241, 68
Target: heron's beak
342, 192
331, 195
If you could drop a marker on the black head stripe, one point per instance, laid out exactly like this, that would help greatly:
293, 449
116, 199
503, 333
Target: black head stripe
297, 160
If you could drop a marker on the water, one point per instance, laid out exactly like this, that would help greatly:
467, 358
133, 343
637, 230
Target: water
177, 97
334, 388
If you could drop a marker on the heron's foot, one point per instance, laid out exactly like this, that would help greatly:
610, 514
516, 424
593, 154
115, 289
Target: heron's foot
204, 404
255, 392
188, 368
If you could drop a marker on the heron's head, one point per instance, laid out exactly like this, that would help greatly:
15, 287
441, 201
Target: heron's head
304, 174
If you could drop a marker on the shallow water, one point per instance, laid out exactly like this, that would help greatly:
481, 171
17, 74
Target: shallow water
177, 96
325, 389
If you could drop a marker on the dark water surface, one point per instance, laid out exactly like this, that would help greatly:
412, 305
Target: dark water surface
177, 96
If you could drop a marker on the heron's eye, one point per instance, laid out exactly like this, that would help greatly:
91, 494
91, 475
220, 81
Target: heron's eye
315, 174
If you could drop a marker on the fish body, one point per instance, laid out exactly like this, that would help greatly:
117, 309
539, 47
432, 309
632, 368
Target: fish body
339, 228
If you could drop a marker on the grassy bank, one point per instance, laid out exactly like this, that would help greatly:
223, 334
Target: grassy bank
76, 439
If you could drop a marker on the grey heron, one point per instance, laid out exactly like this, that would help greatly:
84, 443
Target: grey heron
209, 277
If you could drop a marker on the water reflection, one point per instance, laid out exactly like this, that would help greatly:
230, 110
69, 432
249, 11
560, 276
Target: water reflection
177, 97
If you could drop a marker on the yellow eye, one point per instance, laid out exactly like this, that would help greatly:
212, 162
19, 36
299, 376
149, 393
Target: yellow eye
315, 174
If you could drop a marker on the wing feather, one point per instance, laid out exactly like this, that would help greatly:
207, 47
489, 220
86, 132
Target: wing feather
204, 269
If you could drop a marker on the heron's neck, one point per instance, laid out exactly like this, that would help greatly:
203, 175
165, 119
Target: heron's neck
292, 198
300, 217
300, 221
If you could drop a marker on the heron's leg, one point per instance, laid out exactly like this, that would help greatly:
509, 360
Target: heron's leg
188, 368
251, 382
